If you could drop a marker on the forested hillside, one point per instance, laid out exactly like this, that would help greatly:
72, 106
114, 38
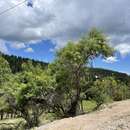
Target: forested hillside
100, 73
16, 62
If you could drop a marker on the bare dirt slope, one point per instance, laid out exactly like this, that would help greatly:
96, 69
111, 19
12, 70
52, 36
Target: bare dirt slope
115, 116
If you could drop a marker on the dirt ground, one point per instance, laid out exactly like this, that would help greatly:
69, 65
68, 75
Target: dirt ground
115, 116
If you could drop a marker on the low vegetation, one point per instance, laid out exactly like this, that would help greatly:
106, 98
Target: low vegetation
64, 88
12, 124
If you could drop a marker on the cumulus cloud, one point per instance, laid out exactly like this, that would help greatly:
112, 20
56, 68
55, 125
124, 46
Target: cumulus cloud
3, 47
111, 59
30, 50
17, 45
61, 20
123, 48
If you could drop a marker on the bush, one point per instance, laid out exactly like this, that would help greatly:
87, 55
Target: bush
88, 105
13, 124
108, 89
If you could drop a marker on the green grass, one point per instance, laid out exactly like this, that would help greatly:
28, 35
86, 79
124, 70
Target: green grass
11, 124
89, 105
47, 118
11, 120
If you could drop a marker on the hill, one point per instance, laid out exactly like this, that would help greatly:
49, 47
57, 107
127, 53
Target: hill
15, 63
100, 73
115, 116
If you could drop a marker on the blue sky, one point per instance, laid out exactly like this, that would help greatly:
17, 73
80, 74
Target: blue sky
43, 52
122, 65
50, 24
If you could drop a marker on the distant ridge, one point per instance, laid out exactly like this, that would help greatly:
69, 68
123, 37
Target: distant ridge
15, 63
101, 73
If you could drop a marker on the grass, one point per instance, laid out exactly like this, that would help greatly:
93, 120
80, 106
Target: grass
89, 105
16, 120
12, 124
47, 118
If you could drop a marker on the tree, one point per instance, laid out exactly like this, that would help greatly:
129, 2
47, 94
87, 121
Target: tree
25, 93
5, 70
70, 66
108, 89
31, 87
5, 74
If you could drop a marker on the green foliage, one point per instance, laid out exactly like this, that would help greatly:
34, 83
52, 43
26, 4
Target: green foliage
26, 92
69, 68
4, 70
32, 85
3, 104
107, 89
96, 45
48, 117
13, 124
15, 62
101, 73
89, 105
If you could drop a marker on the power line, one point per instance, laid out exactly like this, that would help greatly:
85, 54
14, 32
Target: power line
7, 10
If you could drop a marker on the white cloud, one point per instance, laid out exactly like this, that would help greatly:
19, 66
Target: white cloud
63, 20
3, 47
111, 59
123, 48
52, 50
30, 50
17, 45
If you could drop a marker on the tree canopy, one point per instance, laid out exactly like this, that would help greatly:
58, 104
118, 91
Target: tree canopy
70, 65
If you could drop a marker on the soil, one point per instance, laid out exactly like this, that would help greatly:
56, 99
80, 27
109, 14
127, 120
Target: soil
115, 116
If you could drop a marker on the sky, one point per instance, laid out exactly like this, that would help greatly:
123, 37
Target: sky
39, 31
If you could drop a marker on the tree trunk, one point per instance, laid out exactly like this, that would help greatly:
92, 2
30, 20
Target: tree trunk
2, 115
82, 108
73, 109
31, 119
